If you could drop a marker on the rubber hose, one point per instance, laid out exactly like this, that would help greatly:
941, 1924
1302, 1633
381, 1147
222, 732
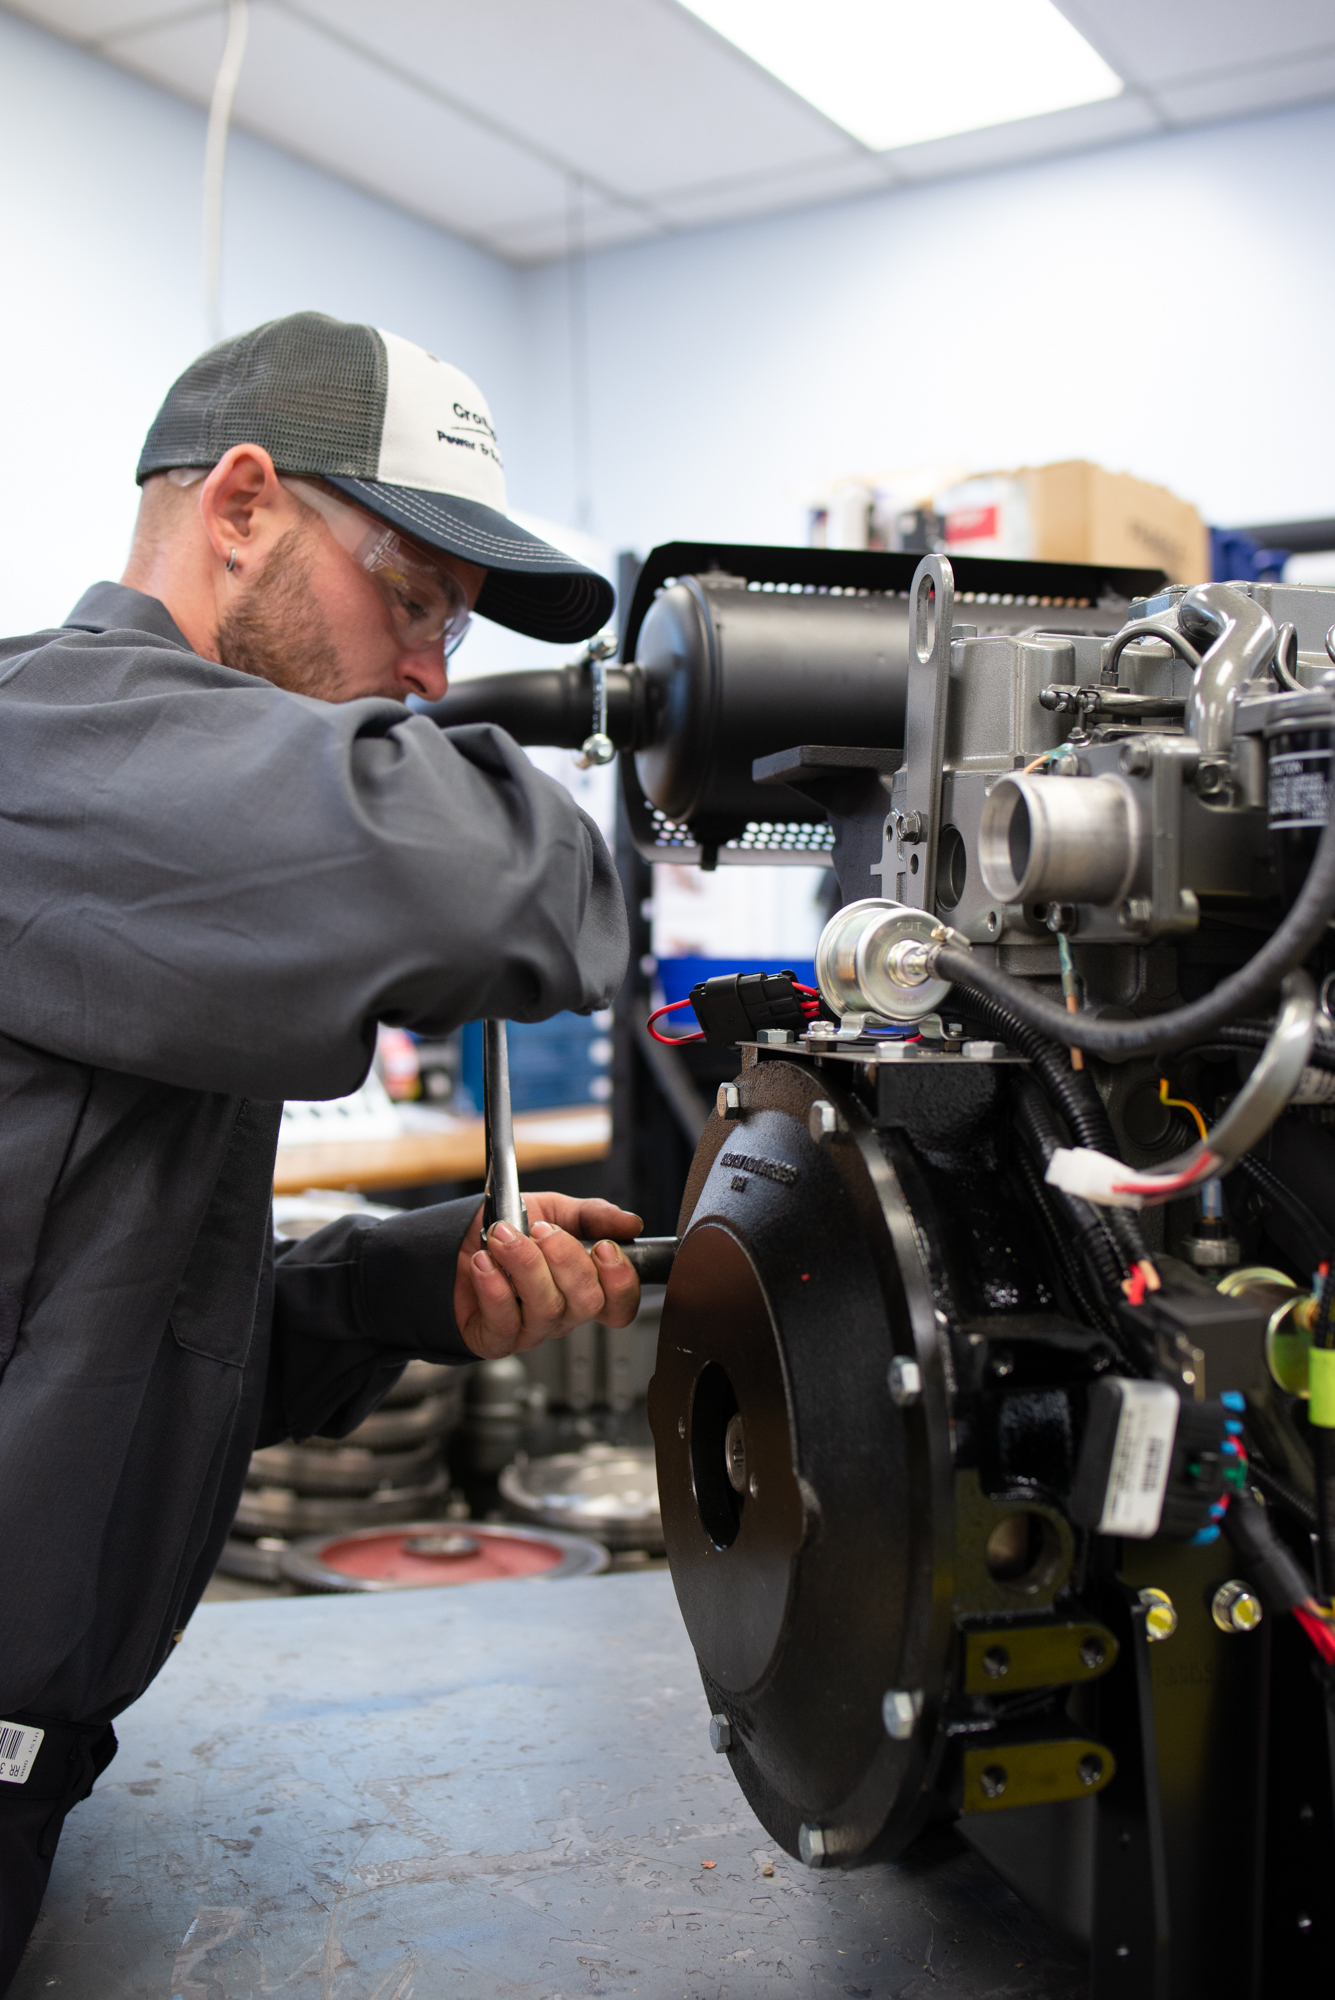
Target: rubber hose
1036, 1123
1268, 1183
1243, 1035
1077, 1100
1088, 1307
1323, 1459
1266, 1562
1300, 931
1282, 1495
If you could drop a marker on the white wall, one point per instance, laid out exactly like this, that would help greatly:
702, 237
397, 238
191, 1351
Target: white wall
1166, 307
101, 303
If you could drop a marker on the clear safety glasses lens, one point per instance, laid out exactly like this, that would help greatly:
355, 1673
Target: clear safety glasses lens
426, 604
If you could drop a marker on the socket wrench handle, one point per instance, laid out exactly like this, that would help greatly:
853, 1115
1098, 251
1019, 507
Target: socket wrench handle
651, 1257
501, 1199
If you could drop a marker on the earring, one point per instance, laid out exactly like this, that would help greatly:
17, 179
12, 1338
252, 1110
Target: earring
231, 560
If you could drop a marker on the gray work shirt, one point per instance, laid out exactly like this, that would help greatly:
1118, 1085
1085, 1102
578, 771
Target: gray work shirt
211, 892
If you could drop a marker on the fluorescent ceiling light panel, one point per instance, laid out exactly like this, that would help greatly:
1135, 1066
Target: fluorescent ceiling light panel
896, 72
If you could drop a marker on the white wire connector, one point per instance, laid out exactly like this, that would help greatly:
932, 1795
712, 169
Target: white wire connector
1110, 1183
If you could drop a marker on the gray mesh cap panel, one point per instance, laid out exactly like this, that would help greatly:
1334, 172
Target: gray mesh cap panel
309, 388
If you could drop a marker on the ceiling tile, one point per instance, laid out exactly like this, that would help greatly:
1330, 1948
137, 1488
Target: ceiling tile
478, 116
309, 95
638, 94
92, 20
1126, 117
1259, 87
1155, 41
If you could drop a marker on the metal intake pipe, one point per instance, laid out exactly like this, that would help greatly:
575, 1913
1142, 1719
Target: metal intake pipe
1059, 840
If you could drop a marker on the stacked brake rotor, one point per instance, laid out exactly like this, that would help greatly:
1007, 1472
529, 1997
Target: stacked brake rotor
390, 1469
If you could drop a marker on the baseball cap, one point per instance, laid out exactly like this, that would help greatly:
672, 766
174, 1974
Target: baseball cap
406, 436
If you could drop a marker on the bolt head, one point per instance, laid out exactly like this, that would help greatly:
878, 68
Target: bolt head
1135, 759
824, 1122
994, 1781
900, 1709
1160, 1614
734, 1453
1090, 1769
1093, 1652
596, 749
720, 1734
728, 1102
905, 1379
811, 1845
1235, 1608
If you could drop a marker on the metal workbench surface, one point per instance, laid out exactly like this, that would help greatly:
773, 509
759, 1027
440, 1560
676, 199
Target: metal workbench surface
500, 1790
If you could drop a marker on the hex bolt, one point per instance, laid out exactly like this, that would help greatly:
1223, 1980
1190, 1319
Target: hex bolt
1160, 1614
1135, 759
811, 1845
734, 1453
1090, 1769
824, 1122
1236, 1608
905, 1379
720, 1734
1135, 910
908, 827
728, 1102
900, 1709
994, 1780
1063, 918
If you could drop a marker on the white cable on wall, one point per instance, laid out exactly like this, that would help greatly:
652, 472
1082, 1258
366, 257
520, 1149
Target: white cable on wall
215, 158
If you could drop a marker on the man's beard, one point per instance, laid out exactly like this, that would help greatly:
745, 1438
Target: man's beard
277, 629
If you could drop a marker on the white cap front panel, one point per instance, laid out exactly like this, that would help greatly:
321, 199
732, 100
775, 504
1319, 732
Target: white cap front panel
438, 433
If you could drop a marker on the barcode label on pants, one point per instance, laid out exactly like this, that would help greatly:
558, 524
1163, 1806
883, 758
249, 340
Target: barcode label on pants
19, 1744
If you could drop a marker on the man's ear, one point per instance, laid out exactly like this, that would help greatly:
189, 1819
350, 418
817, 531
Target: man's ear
241, 505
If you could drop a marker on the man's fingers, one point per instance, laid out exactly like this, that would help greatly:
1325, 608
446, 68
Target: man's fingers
524, 1262
495, 1326
620, 1285
598, 1218
589, 1219
573, 1272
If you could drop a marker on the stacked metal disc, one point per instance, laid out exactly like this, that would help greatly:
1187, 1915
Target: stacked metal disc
390, 1469
606, 1491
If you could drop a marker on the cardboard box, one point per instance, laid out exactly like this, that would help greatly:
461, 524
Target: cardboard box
1076, 512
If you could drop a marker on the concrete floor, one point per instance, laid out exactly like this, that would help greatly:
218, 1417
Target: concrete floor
500, 1791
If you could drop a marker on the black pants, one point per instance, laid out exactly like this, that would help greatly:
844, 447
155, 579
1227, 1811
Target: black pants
72, 1757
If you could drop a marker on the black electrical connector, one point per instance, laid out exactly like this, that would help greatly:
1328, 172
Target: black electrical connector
735, 1006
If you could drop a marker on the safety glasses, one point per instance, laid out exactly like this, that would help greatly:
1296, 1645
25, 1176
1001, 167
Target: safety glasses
426, 604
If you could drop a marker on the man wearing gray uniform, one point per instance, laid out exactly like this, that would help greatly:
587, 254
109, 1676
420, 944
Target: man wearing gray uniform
230, 851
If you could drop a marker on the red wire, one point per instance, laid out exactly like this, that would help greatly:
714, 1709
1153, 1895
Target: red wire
1320, 1634
670, 1040
810, 1008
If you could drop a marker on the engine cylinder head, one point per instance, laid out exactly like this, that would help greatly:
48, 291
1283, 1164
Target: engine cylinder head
1059, 840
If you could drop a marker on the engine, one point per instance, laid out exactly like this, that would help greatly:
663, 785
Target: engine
995, 1397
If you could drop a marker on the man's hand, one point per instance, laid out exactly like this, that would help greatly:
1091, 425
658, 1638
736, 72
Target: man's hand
522, 1290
